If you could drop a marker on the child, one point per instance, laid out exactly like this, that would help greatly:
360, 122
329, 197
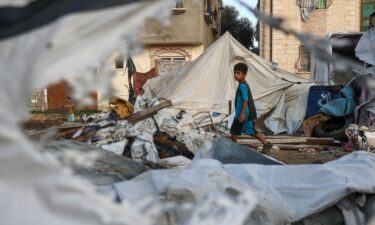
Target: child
245, 109
70, 109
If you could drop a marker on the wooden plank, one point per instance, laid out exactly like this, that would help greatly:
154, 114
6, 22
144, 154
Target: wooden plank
303, 140
144, 114
268, 137
320, 141
274, 141
298, 147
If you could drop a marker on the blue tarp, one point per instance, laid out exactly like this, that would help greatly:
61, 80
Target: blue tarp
342, 106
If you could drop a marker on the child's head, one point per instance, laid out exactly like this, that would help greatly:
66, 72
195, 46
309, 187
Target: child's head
240, 71
372, 20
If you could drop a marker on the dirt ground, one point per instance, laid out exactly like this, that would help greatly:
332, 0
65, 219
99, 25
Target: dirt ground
40, 122
297, 157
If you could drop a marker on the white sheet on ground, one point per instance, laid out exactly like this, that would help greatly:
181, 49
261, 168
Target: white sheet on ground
286, 193
207, 84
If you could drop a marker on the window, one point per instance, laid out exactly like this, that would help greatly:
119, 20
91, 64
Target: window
367, 9
178, 7
170, 64
119, 63
305, 59
178, 4
322, 4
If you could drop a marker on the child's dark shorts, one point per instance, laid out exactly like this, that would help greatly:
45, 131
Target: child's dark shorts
247, 127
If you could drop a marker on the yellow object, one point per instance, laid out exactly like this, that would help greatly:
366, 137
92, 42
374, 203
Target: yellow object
122, 107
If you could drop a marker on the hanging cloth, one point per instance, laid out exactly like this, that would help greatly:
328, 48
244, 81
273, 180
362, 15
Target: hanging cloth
307, 7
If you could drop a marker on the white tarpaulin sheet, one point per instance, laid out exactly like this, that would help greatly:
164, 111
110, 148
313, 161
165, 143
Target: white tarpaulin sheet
284, 193
207, 84
35, 189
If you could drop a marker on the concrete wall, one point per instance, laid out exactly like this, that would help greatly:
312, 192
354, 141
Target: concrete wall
188, 36
187, 26
144, 62
341, 16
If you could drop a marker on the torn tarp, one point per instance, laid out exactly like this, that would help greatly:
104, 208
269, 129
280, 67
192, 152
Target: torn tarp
365, 49
284, 193
105, 167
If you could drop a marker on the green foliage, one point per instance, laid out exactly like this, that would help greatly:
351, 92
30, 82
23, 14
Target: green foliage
241, 28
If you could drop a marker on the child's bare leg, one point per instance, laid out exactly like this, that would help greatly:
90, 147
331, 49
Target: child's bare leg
261, 138
234, 138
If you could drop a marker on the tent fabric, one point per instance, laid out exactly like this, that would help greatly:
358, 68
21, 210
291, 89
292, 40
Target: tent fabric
365, 49
207, 84
322, 69
36, 189
285, 193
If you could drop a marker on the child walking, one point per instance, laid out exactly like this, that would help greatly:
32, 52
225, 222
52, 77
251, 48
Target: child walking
245, 109
69, 109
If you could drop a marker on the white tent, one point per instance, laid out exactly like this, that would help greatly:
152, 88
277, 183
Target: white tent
207, 84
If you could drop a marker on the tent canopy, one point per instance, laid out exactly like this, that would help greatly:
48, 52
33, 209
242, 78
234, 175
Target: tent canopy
207, 84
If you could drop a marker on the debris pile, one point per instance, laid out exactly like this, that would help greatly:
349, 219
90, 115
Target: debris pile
151, 135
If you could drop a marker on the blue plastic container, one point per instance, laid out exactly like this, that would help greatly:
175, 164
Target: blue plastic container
319, 95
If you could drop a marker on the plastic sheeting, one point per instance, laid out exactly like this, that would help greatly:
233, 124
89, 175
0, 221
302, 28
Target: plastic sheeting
322, 70
365, 49
207, 84
228, 152
342, 106
284, 193
35, 189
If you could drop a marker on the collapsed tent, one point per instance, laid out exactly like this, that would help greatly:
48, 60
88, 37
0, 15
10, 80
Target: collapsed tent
207, 84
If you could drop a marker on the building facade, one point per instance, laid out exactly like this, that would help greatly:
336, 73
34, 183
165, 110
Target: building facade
194, 26
326, 17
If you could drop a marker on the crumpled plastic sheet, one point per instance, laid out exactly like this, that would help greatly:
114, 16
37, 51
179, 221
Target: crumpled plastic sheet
194, 139
285, 193
228, 152
176, 162
117, 147
212, 197
143, 149
35, 188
